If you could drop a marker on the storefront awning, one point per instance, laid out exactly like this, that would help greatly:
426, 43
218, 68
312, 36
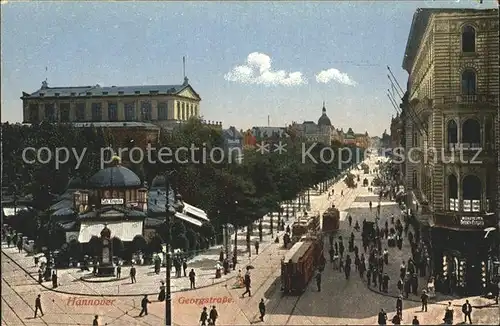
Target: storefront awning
125, 230
188, 219
195, 211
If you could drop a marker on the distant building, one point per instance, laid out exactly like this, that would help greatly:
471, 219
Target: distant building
233, 143
249, 140
323, 131
144, 108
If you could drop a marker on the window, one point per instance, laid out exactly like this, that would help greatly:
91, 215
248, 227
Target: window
471, 134
146, 111
33, 115
96, 112
65, 113
453, 193
80, 112
162, 111
130, 111
471, 193
468, 39
112, 111
50, 112
452, 132
468, 82
178, 110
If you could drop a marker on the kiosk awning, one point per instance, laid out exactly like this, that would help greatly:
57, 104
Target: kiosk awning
195, 211
125, 230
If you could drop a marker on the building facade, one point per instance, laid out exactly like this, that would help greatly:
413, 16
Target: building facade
450, 113
322, 132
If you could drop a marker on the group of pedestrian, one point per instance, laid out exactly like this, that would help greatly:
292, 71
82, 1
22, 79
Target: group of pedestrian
209, 318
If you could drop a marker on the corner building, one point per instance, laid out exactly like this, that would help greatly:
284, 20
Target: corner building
451, 101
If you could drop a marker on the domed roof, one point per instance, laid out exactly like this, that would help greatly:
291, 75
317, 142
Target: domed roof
158, 182
114, 177
324, 120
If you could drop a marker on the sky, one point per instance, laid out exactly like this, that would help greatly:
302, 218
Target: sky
247, 60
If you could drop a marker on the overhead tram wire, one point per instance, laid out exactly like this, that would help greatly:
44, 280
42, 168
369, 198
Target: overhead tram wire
411, 113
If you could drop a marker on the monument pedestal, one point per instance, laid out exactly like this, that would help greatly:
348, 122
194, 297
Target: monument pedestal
106, 270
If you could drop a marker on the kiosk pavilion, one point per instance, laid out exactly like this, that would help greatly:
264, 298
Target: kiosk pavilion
116, 200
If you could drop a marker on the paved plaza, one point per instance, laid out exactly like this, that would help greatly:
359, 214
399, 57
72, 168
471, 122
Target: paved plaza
340, 302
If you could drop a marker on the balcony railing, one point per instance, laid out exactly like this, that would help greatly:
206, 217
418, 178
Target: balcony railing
466, 99
470, 205
464, 220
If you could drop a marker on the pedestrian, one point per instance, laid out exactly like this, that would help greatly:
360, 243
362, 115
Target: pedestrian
262, 309
424, 298
370, 205
386, 256
399, 305
204, 317
213, 315
132, 274
192, 279
350, 220
415, 321
467, 310
341, 247
257, 247
369, 276
161, 295
347, 267
318, 280
448, 314
40, 275
248, 285
96, 321
402, 270
380, 282
38, 305
234, 262
118, 271
144, 306
54, 279
20, 245
396, 320
382, 317
184, 266
386, 280
221, 255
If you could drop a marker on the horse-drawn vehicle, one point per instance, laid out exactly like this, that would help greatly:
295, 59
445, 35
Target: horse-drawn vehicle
331, 220
299, 264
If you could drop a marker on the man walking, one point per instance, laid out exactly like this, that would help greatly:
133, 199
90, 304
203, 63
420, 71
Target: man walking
132, 274
96, 321
257, 247
262, 309
424, 297
318, 281
192, 276
247, 282
204, 317
467, 310
144, 306
213, 315
38, 305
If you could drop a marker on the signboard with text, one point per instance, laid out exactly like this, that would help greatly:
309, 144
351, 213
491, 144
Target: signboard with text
112, 201
472, 221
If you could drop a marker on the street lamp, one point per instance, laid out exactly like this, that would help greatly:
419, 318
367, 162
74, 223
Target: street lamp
169, 212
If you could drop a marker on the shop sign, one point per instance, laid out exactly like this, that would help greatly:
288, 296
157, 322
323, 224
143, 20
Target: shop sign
472, 221
112, 201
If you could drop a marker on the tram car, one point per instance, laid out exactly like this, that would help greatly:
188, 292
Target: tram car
304, 225
331, 220
299, 264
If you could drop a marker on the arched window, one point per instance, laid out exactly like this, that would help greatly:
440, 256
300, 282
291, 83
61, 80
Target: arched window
452, 132
468, 82
471, 189
471, 134
468, 39
453, 192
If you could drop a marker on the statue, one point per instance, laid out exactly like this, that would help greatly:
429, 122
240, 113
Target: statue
106, 267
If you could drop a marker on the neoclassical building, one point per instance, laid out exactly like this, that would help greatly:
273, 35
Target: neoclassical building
145, 108
450, 110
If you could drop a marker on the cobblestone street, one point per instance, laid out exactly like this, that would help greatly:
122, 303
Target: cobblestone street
340, 302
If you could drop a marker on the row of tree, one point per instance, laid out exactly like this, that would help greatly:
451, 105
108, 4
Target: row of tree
230, 192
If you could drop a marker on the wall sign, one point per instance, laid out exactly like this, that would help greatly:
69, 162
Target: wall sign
112, 201
472, 221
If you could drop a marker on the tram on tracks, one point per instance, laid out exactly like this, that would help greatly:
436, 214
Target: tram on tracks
300, 262
331, 220
305, 225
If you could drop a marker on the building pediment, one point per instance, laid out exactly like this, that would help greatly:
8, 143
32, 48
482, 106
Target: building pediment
189, 92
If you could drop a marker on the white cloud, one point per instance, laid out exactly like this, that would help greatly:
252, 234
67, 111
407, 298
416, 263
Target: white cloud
257, 71
333, 74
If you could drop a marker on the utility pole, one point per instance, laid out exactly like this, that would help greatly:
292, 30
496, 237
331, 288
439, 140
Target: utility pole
168, 213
